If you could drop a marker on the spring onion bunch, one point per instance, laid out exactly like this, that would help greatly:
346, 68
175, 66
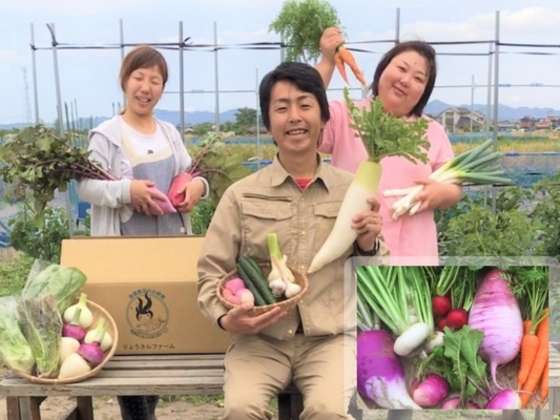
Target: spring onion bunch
477, 166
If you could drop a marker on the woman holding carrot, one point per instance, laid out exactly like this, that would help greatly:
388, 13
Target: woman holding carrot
142, 152
403, 80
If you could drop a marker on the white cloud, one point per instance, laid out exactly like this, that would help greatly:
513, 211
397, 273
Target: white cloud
70, 7
529, 21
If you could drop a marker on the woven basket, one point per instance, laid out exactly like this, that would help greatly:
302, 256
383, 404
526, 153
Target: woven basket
287, 304
110, 327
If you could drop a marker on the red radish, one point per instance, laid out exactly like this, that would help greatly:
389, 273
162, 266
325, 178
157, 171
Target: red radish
164, 205
226, 293
176, 191
430, 392
442, 322
456, 318
495, 311
235, 284
441, 305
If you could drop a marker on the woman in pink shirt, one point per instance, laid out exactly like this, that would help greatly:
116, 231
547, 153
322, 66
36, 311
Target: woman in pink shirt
404, 80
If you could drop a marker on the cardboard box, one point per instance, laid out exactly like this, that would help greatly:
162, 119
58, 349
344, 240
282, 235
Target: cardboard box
148, 285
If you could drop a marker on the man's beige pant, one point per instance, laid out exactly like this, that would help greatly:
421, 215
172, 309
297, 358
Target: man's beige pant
258, 368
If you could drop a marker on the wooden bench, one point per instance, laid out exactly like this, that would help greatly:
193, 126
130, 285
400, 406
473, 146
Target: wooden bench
554, 376
134, 375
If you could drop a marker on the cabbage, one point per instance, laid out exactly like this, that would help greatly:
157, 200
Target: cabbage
15, 352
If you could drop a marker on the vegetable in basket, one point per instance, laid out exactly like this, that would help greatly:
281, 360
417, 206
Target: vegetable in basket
41, 325
62, 283
15, 352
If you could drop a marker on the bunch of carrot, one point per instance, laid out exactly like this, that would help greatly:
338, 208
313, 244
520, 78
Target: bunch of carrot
534, 358
344, 57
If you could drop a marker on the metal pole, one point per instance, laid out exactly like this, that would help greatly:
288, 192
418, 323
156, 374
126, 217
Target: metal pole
496, 96
398, 26
67, 118
257, 105
35, 93
60, 124
79, 123
181, 82
217, 111
472, 108
488, 107
73, 117
121, 30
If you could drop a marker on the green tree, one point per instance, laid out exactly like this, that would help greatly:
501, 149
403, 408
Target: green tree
302, 22
245, 119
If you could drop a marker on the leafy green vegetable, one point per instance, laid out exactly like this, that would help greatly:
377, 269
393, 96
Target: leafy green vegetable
219, 168
15, 352
458, 362
62, 283
385, 135
41, 325
302, 22
36, 159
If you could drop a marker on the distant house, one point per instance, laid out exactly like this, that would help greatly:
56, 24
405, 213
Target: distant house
506, 126
543, 125
526, 122
459, 119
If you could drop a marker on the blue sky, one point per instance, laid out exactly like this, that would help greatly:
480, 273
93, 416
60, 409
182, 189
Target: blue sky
91, 77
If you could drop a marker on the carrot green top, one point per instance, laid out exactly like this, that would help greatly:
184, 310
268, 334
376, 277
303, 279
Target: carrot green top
384, 134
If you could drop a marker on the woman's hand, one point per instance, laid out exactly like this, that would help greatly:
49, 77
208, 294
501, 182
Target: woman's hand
330, 40
368, 226
436, 195
142, 197
193, 191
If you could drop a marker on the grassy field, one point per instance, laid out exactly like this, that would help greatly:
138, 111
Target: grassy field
521, 145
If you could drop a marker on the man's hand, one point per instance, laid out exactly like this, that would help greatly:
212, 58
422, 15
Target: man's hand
193, 191
368, 225
330, 40
142, 196
238, 321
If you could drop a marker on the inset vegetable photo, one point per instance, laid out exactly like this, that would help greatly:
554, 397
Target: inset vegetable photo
452, 337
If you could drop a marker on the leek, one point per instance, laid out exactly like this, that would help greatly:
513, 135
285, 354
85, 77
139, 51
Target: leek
475, 167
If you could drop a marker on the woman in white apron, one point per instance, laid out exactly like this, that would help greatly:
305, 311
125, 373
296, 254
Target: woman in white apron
141, 151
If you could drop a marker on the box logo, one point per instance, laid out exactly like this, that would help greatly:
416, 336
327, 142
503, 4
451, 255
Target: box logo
147, 313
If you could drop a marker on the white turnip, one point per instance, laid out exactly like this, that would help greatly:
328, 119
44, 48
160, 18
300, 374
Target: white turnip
495, 311
380, 376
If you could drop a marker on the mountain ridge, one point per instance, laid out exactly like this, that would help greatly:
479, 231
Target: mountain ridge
435, 107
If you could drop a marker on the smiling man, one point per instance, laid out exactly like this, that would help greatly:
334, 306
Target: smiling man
298, 198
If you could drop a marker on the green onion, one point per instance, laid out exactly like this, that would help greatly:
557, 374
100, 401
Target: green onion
476, 166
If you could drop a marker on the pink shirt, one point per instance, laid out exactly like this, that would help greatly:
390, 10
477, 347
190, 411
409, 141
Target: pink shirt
409, 236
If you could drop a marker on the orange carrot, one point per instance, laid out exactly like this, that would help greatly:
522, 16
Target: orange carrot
529, 349
544, 382
340, 66
539, 362
526, 326
348, 58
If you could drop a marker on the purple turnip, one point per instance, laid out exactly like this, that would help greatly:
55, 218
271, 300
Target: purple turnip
380, 376
495, 311
431, 391
506, 399
73, 329
454, 403
92, 352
